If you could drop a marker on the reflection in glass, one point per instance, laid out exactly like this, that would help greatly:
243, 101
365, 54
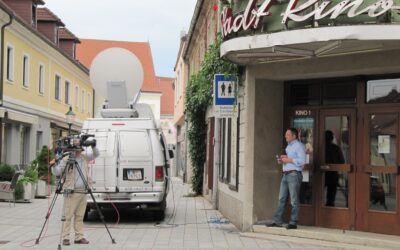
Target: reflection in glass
305, 126
336, 191
382, 190
383, 139
336, 152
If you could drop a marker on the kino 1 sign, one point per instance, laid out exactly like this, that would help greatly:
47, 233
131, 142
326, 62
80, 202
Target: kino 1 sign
315, 9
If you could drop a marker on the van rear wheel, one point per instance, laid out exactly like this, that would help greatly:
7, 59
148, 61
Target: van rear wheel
159, 215
85, 217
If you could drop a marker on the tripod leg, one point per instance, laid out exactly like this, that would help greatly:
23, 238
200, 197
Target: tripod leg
94, 200
67, 198
47, 217
100, 215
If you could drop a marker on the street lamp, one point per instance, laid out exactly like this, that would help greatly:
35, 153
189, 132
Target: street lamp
70, 117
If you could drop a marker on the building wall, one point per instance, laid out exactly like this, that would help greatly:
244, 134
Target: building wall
48, 29
180, 90
22, 7
68, 46
39, 113
262, 140
202, 35
154, 100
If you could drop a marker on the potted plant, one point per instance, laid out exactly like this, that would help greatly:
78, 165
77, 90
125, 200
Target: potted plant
28, 181
6, 174
44, 173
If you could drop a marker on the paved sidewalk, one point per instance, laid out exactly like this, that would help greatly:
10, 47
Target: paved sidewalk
190, 223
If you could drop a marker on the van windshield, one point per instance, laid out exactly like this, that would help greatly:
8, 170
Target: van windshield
135, 144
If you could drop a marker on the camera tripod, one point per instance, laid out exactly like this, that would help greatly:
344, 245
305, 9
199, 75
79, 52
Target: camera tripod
70, 166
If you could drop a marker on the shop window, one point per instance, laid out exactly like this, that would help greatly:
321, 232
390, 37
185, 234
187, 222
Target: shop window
339, 93
305, 94
383, 91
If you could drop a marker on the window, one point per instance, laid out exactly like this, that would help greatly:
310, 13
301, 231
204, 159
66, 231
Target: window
229, 151
76, 97
383, 91
41, 79
89, 102
10, 63
25, 71
83, 101
57, 93
34, 19
67, 92
305, 94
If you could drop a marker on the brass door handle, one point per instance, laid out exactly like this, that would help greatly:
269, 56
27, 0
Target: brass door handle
325, 167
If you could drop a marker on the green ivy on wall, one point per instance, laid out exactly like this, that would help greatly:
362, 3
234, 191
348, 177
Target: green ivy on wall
198, 97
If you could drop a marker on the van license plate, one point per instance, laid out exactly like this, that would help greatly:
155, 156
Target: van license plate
134, 174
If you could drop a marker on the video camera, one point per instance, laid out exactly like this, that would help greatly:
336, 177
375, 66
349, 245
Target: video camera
75, 143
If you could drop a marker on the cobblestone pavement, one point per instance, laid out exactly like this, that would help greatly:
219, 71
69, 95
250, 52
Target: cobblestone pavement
190, 223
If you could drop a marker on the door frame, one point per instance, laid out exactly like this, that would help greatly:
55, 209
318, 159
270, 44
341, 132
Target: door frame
335, 217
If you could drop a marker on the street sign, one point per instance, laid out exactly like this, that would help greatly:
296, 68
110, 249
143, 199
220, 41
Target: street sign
225, 88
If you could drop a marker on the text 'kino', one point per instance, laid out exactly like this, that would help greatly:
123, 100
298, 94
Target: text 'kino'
252, 15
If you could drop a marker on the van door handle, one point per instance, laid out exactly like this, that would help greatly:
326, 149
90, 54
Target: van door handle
146, 182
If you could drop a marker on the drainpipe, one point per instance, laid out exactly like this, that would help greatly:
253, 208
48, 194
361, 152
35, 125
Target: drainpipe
11, 17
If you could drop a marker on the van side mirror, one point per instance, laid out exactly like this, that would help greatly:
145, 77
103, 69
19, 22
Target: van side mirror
171, 153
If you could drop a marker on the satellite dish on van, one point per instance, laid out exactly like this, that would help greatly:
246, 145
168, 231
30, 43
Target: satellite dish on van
117, 75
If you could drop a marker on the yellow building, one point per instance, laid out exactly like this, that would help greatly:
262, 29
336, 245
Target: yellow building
40, 81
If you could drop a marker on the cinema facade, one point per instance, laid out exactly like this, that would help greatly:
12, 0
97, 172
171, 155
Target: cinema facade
318, 66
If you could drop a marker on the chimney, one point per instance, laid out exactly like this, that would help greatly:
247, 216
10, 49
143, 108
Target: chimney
48, 23
67, 41
26, 9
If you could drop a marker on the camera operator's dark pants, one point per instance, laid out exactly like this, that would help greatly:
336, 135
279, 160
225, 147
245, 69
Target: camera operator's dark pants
75, 206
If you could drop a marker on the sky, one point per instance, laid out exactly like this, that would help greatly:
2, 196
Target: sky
158, 21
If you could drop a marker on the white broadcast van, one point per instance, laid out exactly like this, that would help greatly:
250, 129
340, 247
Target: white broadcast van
132, 168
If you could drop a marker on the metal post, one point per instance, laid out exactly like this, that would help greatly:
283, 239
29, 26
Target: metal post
69, 128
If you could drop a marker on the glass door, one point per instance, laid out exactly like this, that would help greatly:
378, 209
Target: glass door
381, 173
336, 194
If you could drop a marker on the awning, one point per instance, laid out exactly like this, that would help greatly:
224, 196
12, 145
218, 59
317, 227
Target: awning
64, 125
22, 117
311, 42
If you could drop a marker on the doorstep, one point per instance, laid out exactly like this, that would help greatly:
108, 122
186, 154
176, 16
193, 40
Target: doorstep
350, 239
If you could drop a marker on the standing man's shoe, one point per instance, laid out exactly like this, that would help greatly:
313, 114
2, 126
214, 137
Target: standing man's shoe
81, 241
291, 226
66, 242
273, 224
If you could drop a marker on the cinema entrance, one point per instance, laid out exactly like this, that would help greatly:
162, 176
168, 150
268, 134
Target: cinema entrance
350, 127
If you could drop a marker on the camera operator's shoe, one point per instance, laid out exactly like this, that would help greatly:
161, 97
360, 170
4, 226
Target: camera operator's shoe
81, 241
66, 242
273, 224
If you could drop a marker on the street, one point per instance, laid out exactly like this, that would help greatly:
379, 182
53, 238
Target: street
190, 223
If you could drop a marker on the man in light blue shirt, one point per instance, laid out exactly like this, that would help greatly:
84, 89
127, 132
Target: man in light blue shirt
293, 163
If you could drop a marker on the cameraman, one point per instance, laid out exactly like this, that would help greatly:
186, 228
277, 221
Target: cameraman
74, 187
